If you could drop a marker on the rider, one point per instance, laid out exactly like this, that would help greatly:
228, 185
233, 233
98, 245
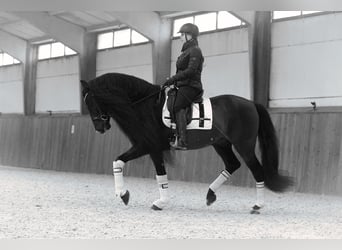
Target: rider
187, 80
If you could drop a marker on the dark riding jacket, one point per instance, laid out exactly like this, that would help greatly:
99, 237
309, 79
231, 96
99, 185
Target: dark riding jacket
189, 66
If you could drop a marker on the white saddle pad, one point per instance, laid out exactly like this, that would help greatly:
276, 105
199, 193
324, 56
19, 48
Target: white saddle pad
202, 116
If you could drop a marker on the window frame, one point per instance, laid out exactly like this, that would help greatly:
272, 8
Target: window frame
244, 24
13, 58
55, 57
302, 15
124, 45
131, 44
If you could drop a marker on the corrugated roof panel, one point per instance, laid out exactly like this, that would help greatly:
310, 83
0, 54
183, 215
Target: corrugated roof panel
86, 18
23, 30
7, 17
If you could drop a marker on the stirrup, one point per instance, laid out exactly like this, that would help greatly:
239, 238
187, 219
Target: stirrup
175, 144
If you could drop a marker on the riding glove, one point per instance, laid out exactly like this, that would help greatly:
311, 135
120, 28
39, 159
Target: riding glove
169, 81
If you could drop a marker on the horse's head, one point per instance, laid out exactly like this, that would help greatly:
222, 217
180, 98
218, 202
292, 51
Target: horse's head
100, 119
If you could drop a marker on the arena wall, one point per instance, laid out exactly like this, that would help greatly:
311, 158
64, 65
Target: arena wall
310, 150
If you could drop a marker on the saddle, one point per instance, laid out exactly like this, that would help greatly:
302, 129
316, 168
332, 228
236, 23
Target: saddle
198, 115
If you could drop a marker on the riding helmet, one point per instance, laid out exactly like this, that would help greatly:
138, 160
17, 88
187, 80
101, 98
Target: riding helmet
189, 28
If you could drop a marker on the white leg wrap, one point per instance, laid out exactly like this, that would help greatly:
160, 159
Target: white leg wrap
118, 177
260, 186
163, 186
224, 175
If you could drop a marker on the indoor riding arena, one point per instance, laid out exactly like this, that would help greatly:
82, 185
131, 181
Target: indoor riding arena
56, 171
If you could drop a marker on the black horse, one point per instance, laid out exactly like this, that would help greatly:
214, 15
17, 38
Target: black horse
136, 106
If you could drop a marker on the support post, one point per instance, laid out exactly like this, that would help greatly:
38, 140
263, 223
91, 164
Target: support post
30, 79
87, 62
262, 56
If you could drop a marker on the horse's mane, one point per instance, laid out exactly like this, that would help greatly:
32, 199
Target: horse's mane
117, 95
110, 85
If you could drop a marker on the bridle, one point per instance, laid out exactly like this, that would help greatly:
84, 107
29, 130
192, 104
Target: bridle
101, 116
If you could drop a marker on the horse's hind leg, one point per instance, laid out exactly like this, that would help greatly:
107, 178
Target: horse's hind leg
225, 151
162, 181
248, 154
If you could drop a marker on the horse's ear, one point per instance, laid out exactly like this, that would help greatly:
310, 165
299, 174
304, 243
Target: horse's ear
84, 84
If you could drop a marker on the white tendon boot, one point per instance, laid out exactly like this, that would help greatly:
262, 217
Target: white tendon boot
215, 185
260, 186
163, 191
222, 178
118, 178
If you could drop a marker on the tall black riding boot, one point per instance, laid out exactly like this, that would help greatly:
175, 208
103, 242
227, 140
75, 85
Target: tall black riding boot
180, 142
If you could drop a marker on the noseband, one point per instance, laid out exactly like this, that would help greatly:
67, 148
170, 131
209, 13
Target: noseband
101, 116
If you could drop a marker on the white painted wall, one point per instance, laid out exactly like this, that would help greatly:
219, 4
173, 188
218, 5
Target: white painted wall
226, 71
306, 62
58, 87
226, 66
134, 60
11, 89
306, 66
226, 62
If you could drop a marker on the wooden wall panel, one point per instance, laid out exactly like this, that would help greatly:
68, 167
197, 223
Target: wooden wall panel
310, 149
310, 145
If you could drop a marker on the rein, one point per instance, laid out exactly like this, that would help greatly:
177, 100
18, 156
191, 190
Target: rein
149, 96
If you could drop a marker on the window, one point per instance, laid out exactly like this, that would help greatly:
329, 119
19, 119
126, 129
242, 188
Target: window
122, 37
52, 50
69, 52
287, 14
309, 12
6, 59
118, 38
105, 40
208, 22
138, 38
44, 51
226, 20
57, 49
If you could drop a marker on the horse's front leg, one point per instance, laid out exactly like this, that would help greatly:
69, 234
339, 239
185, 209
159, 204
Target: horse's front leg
162, 181
118, 166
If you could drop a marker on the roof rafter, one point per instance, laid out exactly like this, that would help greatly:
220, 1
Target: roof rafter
68, 33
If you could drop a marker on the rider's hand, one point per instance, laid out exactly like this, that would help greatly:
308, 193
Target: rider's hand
168, 82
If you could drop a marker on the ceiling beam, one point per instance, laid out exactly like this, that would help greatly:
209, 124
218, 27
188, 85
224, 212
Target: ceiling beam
105, 26
63, 31
13, 45
145, 22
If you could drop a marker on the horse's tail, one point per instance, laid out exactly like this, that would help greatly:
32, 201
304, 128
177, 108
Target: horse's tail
270, 153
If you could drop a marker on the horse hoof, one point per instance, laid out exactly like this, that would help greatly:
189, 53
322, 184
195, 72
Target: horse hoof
154, 207
211, 197
255, 209
125, 197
